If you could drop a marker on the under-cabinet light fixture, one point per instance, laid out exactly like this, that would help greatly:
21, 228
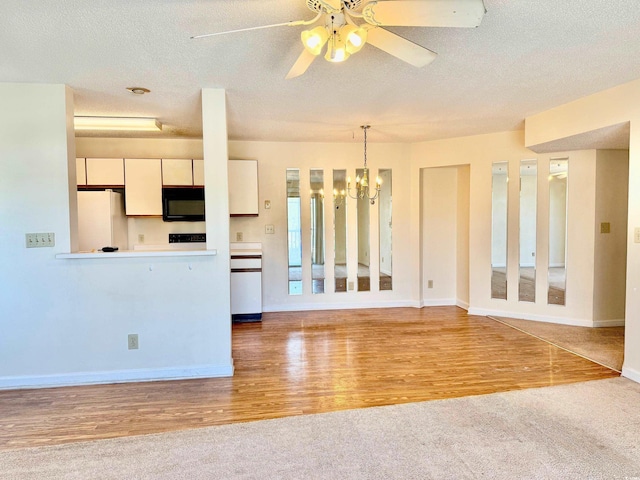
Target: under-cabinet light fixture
118, 123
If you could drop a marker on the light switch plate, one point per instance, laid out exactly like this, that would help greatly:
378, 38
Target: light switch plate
36, 240
636, 235
267, 204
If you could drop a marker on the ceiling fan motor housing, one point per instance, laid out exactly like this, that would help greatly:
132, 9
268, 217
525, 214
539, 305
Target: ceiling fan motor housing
332, 6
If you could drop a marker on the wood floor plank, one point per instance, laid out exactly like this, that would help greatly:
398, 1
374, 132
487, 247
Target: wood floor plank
297, 363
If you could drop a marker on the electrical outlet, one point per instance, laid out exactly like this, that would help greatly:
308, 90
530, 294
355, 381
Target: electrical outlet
605, 227
270, 229
350, 286
636, 235
141, 238
239, 236
132, 341
430, 284
35, 240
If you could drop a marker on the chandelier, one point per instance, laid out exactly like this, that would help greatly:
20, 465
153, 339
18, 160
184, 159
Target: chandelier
361, 190
342, 39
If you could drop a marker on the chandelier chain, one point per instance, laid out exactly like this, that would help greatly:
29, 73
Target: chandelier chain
365, 127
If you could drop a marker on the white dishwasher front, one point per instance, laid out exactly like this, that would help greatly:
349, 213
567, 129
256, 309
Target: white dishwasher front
246, 287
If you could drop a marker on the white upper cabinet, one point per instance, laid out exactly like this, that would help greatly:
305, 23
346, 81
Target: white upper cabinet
243, 188
81, 171
177, 172
198, 173
105, 172
143, 189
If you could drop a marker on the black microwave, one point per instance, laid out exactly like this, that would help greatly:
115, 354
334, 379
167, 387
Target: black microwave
183, 204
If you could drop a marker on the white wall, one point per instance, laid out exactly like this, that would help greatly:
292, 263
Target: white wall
615, 106
66, 321
439, 227
480, 152
612, 177
273, 160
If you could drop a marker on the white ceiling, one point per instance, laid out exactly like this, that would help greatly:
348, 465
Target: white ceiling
526, 56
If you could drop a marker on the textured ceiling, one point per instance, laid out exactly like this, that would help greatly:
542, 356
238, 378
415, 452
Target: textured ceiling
525, 57
612, 137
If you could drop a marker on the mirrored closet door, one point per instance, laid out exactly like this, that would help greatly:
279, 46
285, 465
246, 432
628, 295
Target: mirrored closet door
499, 196
294, 232
527, 244
317, 230
385, 231
558, 189
364, 279
340, 229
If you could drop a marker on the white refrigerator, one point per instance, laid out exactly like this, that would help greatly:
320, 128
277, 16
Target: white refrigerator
101, 221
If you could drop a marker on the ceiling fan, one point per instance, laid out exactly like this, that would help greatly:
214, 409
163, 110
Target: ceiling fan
346, 25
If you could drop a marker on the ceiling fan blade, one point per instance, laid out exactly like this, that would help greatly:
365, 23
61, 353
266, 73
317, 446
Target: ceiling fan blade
292, 23
399, 47
426, 13
302, 64
241, 30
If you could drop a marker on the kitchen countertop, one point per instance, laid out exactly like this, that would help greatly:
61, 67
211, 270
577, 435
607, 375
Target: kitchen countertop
138, 253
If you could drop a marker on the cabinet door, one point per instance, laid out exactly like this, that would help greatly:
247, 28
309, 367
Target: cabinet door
105, 171
243, 188
143, 189
177, 172
81, 172
198, 173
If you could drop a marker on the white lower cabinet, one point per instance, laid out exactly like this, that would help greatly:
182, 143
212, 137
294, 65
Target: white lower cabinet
246, 284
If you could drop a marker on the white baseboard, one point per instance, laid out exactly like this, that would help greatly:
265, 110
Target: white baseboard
631, 374
462, 304
299, 307
116, 376
609, 323
439, 302
576, 322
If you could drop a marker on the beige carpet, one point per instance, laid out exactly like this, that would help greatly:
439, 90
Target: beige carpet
581, 431
603, 345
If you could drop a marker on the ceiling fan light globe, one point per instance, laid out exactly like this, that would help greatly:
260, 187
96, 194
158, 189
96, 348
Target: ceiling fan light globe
355, 38
314, 39
337, 55
336, 51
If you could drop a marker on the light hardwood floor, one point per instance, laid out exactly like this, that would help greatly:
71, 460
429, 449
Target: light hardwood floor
299, 363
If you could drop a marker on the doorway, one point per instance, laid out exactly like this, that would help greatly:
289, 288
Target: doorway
445, 193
